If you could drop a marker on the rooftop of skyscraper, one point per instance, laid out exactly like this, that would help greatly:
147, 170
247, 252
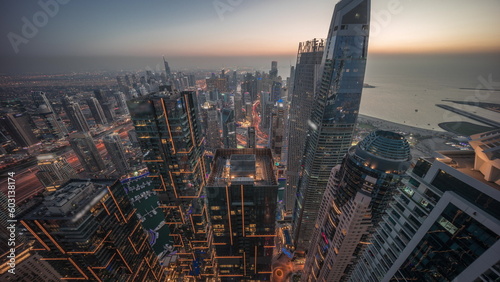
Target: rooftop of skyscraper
482, 164
249, 165
71, 200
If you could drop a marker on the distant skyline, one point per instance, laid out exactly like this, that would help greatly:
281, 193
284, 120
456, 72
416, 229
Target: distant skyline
234, 28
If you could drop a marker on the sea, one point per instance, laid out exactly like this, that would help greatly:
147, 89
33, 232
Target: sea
406, 88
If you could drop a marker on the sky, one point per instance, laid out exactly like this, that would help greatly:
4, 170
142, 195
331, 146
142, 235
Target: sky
204, 30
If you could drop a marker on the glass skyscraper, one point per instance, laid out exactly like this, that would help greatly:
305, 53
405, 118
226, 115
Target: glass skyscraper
171, 140
444, 224
335, 111
302, 94
356, 197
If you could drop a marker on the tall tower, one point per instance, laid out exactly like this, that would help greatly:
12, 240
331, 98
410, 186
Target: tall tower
241, 197
251, 143
114, 146
335, 110
277, 132
107, 108
273, 73
170, 137
445, 222
86, 151
96, 110
88, 230
302, 96
75, 115
41, 99
54, 171
228, 128
357, 195
121, 101
19, 129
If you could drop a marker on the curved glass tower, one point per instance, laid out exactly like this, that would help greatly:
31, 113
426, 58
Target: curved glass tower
335, 110
356, 197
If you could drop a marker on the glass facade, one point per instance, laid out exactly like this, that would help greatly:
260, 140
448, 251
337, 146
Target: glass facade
88, 230
171, 141
335, 111
453, 242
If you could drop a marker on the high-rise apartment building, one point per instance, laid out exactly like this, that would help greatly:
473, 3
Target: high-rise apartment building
356, 197
251, 141
335, 110
53, 171
86, 151
121, 101
96, 111
75, 115
277, 130
301, 95
19, 129
41, 101
106, 105
114, 146
170, 137
241, 200
228, 128
444, 224
88, 230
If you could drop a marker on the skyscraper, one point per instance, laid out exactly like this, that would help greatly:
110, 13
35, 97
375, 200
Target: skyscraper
356, 197
444, 224
50, 128
241, 197
228, 128
273, 73
335, 110
106, 105
86, 151
251, 141
301, 94
114, 146
40, 99
170, 138
121, 101
277, 132
75, 115
96, 110
53, 171
88, 230
19, 129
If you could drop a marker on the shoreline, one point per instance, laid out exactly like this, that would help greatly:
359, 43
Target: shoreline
423, 142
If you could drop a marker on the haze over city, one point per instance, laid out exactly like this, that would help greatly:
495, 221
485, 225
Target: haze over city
250, 140
209, 34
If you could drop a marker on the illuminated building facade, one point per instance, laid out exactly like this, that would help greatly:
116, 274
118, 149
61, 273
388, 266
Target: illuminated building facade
301, 95
53, 171
170, 137
88, 230
335, 110
277, 131
357, 195
241, 200
444, 224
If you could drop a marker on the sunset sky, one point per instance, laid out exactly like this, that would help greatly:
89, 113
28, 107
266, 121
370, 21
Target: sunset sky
200, 28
